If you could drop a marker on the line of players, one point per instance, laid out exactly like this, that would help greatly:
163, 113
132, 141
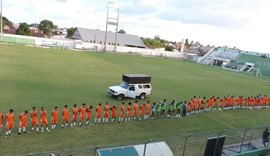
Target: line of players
129, 112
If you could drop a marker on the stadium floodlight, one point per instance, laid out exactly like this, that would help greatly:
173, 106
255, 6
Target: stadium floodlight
111, 6
1, 21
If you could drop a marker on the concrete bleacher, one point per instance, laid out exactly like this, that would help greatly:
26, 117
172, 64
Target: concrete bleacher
225, 54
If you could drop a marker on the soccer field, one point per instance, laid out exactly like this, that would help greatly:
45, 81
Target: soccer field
50, 77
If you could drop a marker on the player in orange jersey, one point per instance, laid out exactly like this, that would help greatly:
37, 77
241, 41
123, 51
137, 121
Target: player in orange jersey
142, 110
82, 114
88, 114
106, 113
122, 112
34, 119
246, 101
9, 122
195, 104
216, 103
54, 117
209, 103
113, 111
43, 119
98, 113
136, 109
129, 112
148, 110
1, 121
199, 101
74, 115
23, 122
65, 117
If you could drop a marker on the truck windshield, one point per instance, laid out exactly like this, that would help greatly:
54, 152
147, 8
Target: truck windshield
124, 85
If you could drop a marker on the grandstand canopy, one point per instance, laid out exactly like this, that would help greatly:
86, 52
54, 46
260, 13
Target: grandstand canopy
152, 149
98, 37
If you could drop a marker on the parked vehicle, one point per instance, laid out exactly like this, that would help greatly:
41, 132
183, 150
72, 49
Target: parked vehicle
133, 86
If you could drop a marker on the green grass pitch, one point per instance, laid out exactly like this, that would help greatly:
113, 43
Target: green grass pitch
48, 77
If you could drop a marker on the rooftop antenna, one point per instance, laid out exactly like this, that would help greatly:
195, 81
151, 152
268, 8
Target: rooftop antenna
112, 8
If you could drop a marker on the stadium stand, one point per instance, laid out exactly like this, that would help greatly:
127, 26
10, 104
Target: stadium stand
218, 56
239, 61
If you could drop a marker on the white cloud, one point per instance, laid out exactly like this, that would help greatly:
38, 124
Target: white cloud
244, 24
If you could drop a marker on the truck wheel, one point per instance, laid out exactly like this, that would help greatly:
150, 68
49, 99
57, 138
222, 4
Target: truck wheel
142, 96
120, 97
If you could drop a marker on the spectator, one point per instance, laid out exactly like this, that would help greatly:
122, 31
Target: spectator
265, 137
184, 108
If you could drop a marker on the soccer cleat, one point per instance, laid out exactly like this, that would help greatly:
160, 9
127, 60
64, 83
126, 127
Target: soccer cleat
19, 133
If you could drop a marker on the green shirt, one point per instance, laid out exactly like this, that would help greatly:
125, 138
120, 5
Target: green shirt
178, 105
163, 106
158, 107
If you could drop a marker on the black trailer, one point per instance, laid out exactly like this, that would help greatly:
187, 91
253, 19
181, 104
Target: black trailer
136, 78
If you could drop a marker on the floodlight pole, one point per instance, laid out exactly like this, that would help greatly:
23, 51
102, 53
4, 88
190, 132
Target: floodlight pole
1, 22
144, 150
95, 151
217, 142
184, 149
111, 21
244, 139
105, 42
116, 33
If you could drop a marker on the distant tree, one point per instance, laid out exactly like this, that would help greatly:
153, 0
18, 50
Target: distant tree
36, 25
24, 30
122, 31
70, 31
47, 27
157, 42
169, 48
7, 22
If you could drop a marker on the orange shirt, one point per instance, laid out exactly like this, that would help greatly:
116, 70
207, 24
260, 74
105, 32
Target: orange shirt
88, 112
55, 115
136, 107
114, 111
199, 102
216, 102
129, 108
10, 118
81, 111
99, 110
34, 114
65, 113
43, 115
106, 109
74, 110
23, 118
148, 108
194, 102
122, 108
142, 108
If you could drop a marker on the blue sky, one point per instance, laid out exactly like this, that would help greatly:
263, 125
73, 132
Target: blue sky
241, 23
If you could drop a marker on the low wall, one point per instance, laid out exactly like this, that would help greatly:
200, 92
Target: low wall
75, 44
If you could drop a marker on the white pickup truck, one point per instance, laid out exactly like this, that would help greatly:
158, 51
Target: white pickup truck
133, 86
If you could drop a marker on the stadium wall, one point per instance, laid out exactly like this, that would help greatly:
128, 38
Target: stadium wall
77, 44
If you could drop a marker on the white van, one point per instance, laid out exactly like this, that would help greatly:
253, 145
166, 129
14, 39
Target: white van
133, 86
